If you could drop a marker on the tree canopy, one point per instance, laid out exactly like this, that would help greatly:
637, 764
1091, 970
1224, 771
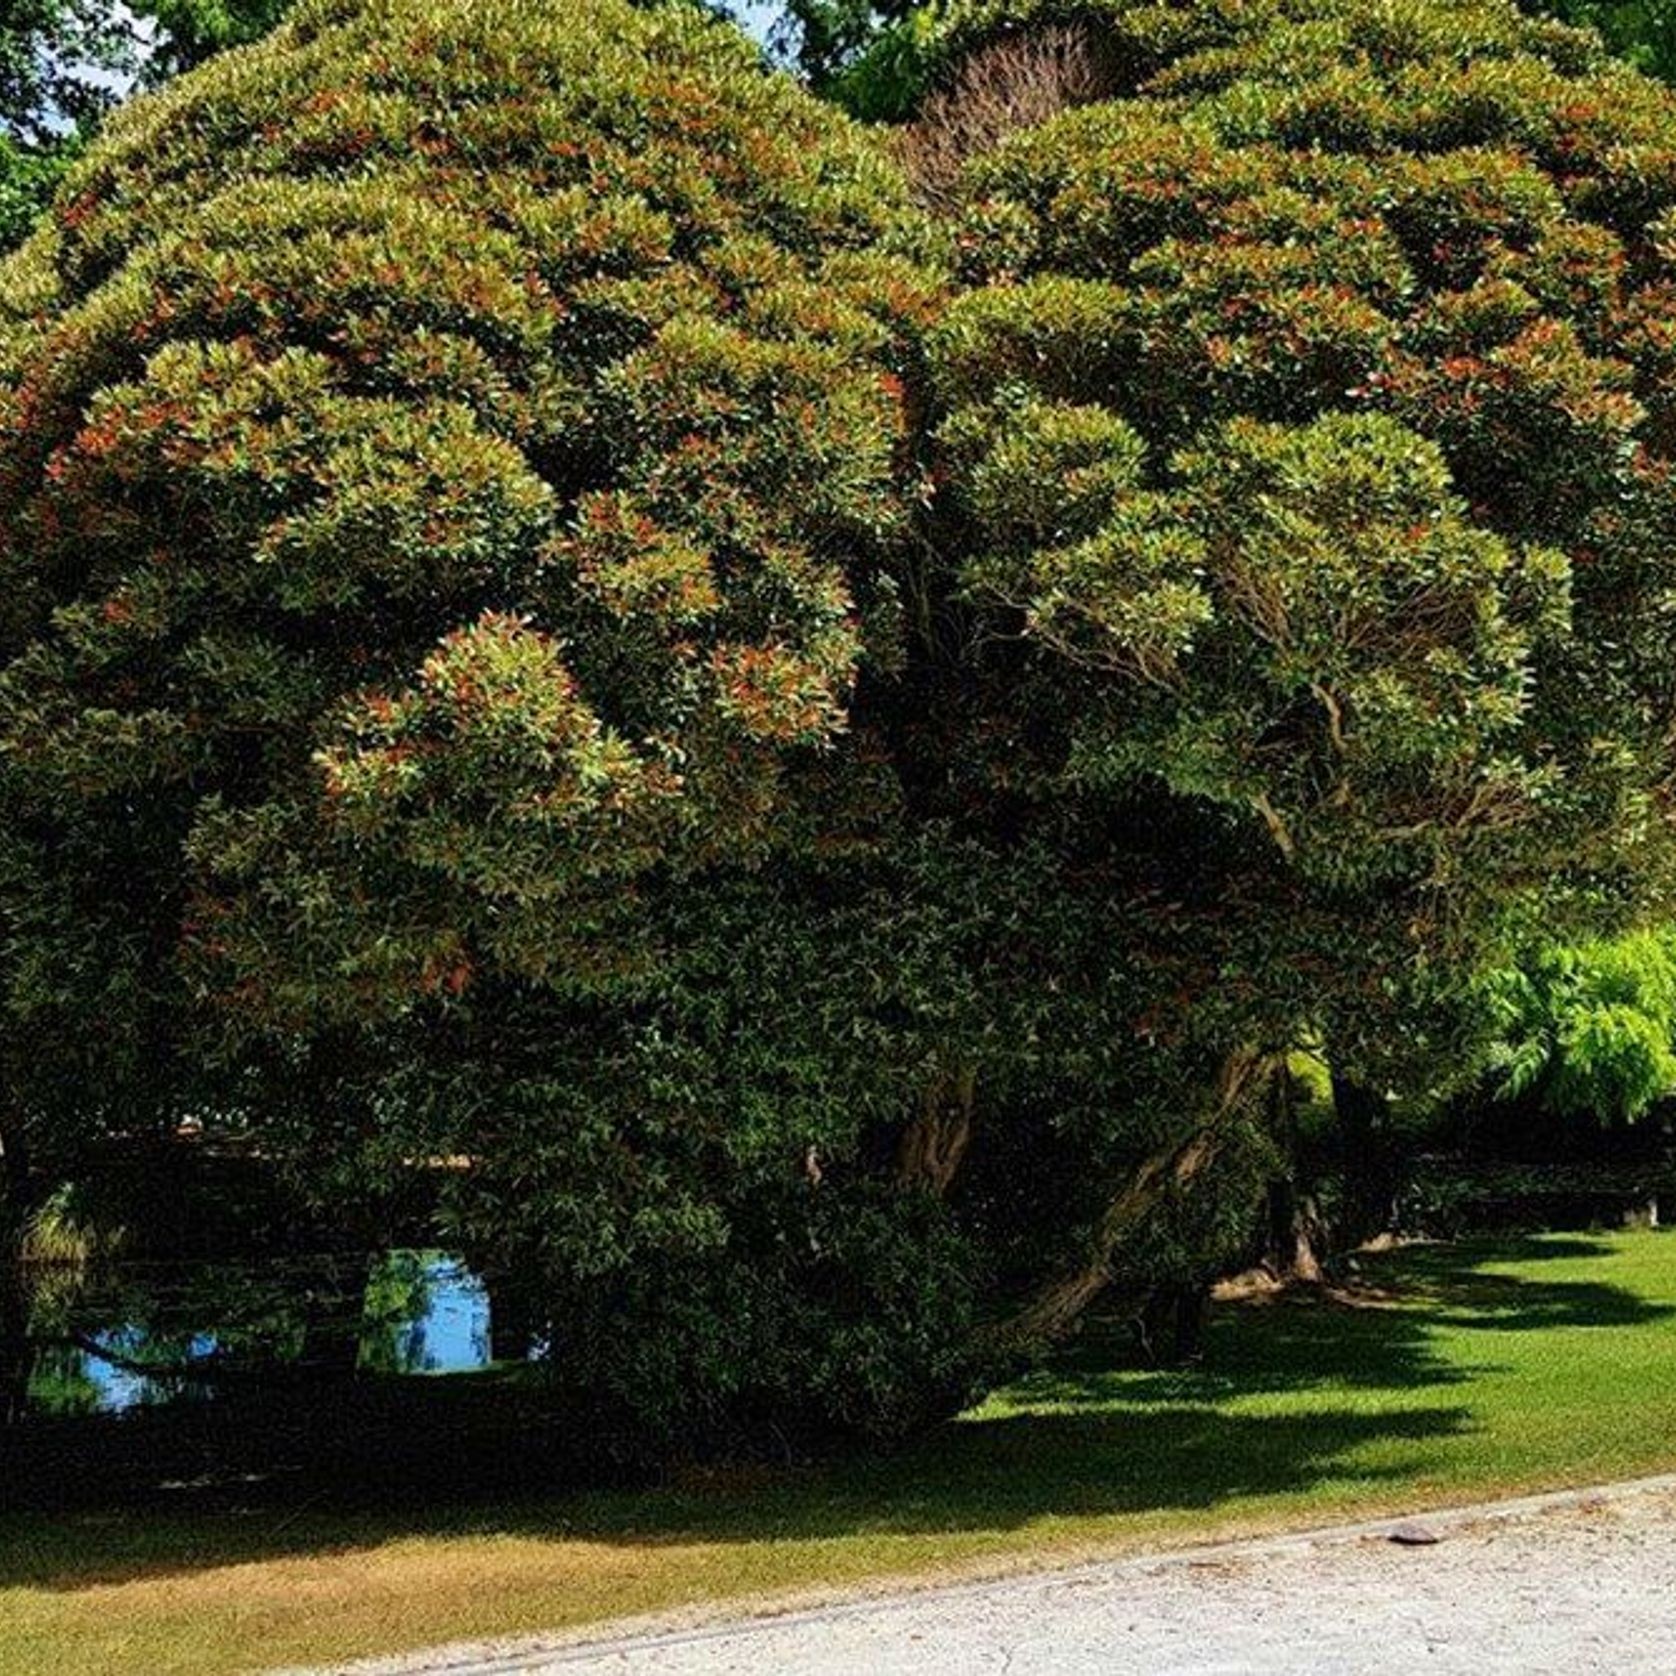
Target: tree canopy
1330, 290
799, 719
441, 509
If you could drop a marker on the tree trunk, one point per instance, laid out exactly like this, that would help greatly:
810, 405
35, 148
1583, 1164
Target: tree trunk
1293, 1254
1370, 1176
514, 1330
1170, 1326
1294, 1224
17, 1202
934, 1143
334, 1319
1055, 1311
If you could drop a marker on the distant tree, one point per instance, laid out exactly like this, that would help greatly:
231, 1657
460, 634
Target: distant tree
181, 34
65, 63
58, 61
874, 58
826, 36
864, 55
57, 58
1643, 31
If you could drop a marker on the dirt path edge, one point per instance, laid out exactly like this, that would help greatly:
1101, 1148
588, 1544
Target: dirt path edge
515, 1655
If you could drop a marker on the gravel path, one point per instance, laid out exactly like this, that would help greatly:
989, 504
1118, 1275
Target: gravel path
1568, 1585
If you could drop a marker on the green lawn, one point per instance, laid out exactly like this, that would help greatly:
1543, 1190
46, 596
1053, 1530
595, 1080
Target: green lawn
1462, 1372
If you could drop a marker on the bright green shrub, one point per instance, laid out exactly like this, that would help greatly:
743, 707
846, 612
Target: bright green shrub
1588, 1031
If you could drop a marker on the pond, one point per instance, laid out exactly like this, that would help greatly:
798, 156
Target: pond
146, 1335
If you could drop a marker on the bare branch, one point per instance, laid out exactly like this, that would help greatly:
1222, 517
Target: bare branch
1017, 82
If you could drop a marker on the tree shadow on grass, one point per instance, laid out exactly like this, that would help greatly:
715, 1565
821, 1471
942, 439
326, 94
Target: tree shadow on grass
1084, 1436
1453, 1281
1297, 1341
991, 1476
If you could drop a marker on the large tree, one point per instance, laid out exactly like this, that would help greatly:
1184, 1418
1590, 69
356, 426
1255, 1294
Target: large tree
476, 502
804, 763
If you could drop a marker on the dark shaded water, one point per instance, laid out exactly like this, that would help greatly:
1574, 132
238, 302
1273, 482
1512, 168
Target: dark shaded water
169, 1333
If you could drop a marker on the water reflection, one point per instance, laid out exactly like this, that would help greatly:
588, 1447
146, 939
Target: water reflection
172, 1334
426, 1313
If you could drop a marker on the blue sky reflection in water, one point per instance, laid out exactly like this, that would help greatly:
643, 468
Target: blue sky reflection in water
448, 1333
423, 1313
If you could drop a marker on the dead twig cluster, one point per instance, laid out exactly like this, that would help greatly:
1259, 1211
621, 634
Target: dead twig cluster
1016, 82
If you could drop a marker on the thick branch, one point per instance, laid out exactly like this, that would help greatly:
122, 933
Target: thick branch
1052, 1313
934, 1144
1278, 829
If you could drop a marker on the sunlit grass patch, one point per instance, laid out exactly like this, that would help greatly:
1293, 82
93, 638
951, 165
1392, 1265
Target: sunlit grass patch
1444, 1373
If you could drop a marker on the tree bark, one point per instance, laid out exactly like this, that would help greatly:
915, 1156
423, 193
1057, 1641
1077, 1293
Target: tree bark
1294, 1223
17, 1202
334, 1319
1369, 1172
1170, 1325
1055, 1311
934, 1144
1294, 1231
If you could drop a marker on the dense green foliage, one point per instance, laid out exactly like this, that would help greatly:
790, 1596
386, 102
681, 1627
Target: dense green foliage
800, 767
1312, 414
1588, 1031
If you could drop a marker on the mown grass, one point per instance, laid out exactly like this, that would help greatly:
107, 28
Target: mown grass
1456, 1373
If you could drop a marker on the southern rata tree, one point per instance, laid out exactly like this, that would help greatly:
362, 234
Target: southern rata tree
1308, 419
452, 469
803, 763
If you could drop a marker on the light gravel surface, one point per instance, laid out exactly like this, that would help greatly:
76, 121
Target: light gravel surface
1565, 1585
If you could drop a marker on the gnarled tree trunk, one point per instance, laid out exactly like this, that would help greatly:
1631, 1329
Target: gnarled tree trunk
933, 1145
1055, 1311
17, 1203
1294, 1231
1370, 1170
